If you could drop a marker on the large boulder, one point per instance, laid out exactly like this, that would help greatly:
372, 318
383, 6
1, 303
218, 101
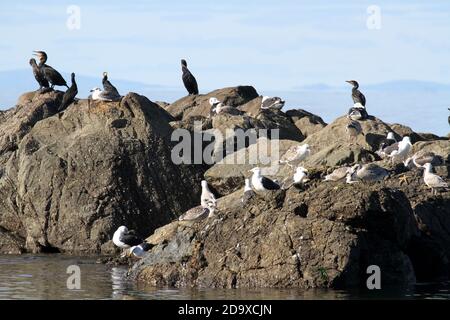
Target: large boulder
332, 145
74, 177
198, 105
302, 238
305, 121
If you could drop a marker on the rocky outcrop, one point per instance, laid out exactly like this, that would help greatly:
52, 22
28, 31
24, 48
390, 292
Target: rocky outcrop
307, 238
69, 180
321, 234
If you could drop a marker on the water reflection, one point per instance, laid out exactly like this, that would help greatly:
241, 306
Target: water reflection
45, 277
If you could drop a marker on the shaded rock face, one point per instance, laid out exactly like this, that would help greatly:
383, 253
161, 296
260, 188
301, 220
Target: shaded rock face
305, 121
73, 178
303, 237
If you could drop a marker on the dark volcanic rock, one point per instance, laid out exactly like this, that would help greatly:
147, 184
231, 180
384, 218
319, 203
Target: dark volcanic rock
73, 178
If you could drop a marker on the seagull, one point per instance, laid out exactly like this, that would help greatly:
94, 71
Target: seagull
140, 250
261, 183
248, 192
300, 175
199, 213
432, 180
404, 147
218, 107
98, 94
274, 103
125, 239
366, 173
337, 174
296, 153
207, 196
388, 145
421, 157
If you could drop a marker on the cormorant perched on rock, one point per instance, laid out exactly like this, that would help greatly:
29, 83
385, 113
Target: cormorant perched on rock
52, 76
70, 94
108, 87
357, 95
188, 79
38, 75
448, 117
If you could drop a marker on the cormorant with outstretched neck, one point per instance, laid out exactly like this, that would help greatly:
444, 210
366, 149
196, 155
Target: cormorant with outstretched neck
108, 87
70, 94
188, 79
357, 95
50, 74
38, 75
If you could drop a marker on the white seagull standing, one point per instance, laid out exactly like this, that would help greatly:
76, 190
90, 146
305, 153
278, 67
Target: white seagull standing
207, 196
404, 147
261, 183
432, 180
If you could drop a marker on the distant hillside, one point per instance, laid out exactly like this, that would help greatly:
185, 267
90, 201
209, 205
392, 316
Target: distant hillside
397, 85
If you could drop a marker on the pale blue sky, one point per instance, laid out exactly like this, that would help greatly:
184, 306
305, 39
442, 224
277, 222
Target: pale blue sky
269, 44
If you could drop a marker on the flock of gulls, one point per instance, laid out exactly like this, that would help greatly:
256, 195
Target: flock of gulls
396, 151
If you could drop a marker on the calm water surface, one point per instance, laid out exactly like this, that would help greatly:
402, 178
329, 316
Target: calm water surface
44, 277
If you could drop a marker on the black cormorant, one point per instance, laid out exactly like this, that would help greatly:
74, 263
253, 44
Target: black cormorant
38, 75
70, 94
52, 76
108, 87
357, 95
188, 79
